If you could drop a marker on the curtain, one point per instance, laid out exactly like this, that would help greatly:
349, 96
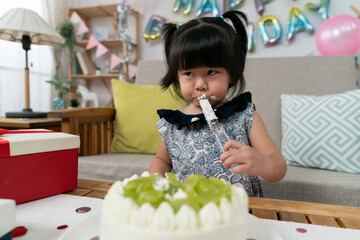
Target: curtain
12, 64
55, 13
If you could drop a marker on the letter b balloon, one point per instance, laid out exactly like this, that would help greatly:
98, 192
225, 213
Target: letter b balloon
339, 35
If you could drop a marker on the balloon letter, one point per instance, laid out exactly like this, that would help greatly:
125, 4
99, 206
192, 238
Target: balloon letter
250, 37
260, 6
266, 23
339, 35
180, 3
297, 22
232, 4
153, 28
322, 9
208, 6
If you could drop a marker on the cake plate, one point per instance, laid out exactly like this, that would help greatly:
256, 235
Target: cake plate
89, 230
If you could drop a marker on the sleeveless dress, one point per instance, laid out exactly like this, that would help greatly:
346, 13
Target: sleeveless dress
192, 146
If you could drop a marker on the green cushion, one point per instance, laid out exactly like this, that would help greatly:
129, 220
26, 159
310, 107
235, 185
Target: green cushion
135, 128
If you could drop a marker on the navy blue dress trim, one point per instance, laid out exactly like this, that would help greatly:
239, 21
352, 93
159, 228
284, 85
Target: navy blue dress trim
224, 111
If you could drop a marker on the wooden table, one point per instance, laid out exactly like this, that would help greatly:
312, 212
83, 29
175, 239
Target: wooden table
53, 124
282, 210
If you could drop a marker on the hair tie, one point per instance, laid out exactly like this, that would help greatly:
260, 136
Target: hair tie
177, 26
222, 17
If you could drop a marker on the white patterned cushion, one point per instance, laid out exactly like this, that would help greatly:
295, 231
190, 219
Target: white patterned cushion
322, 131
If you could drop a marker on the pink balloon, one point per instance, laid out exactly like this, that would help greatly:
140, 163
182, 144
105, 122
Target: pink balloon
339, 35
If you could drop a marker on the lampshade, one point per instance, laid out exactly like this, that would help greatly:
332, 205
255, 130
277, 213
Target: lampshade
20, 21
26, 26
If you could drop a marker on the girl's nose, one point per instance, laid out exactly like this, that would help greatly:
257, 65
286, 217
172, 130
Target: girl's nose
200, 84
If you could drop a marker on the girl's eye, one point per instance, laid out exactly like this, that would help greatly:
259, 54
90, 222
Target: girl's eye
212, 72
189, 74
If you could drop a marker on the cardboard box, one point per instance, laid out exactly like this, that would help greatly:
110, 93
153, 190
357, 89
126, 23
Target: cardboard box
37, 163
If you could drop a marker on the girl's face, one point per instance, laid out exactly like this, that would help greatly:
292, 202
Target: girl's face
197, 81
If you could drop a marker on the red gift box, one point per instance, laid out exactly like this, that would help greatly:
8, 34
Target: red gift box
37, 163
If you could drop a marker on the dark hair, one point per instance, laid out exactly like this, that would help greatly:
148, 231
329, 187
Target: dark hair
207, 41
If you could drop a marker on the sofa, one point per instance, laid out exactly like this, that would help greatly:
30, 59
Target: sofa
266, 79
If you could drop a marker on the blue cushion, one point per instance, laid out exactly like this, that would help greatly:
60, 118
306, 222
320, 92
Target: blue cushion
322, 131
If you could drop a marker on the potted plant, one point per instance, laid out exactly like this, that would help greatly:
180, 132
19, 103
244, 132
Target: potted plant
74, 102
98, 71
74, 97
62, 87
67, 31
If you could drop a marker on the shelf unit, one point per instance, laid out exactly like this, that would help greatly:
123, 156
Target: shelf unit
109, 43
102, 11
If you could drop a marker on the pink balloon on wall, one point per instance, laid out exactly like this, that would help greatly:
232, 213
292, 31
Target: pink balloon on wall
339, 35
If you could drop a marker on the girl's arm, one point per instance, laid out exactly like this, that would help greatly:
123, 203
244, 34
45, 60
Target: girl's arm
162, 163
262, 158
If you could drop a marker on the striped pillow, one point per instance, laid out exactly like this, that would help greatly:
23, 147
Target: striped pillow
322, 131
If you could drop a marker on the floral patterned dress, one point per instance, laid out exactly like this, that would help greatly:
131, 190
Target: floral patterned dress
192, 146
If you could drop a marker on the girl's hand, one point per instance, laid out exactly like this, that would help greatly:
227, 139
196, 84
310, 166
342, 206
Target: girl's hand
249, 160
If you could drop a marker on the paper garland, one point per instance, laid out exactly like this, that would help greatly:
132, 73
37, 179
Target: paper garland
77, 21
75, 18
132, 70
82, 28
93, 42
114, 59
100, 48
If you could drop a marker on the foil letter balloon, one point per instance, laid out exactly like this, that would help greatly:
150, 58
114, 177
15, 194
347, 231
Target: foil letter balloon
208, 6
322, 9
339, 35
124, 10
297, 23
250, 37
260, 6
267, 25
188, 4
232, 4
153, 28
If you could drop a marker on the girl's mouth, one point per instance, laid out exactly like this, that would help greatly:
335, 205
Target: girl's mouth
204, 96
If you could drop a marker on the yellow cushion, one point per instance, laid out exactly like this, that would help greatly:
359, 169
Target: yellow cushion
135, 128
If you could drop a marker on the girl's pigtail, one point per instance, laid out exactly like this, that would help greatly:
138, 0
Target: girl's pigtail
168, 31
239, 21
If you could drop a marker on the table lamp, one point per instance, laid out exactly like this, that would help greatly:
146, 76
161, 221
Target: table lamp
26, 26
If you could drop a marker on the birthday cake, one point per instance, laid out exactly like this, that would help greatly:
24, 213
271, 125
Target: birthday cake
157, 208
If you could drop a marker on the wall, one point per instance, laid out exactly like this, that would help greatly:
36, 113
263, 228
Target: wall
304, 44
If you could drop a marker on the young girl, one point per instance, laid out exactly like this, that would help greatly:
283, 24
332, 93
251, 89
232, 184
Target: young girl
207, 56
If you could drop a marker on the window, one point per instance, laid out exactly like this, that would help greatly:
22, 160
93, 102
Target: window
12, 64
